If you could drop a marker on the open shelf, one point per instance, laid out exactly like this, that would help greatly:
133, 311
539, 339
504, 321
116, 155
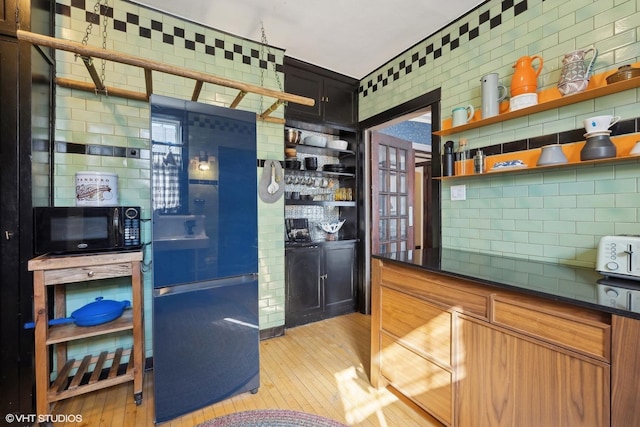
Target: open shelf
63, 333
623, 144
319, 203
308, 149
84, 381
548, 99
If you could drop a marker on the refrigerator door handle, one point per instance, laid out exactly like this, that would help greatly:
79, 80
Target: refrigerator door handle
179, 289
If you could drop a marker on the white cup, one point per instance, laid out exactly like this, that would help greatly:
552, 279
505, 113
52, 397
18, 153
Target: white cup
600, 123
461, 115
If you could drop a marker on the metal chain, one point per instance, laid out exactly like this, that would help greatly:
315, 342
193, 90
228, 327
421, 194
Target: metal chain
87, 33
265, 44
105, 19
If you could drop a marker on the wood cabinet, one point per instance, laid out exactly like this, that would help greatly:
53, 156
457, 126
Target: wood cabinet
334, 94
319, 281
504, 379
625, 371
473, 355
8, 16
56, 272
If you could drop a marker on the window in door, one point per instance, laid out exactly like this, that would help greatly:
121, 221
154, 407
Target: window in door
392, 194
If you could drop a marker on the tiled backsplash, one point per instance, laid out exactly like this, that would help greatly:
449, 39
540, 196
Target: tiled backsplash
557, 215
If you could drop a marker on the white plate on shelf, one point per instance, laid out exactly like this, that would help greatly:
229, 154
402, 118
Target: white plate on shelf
509, 164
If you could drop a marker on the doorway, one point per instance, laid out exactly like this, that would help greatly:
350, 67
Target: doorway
425, 159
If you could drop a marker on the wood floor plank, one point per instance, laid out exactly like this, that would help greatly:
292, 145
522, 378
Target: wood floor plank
320, 368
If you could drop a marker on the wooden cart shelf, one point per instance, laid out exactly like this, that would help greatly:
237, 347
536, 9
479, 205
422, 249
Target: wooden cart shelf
64, 333
85, 381
56, 272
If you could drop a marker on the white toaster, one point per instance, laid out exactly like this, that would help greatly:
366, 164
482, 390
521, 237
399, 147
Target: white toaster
619, 256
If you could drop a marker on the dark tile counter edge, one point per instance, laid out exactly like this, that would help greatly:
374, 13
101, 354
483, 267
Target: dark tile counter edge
514, 288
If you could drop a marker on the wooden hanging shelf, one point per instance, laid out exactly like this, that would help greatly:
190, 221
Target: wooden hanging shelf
87, 53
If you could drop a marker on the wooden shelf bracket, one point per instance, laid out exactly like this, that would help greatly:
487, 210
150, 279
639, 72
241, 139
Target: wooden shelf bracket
87, 53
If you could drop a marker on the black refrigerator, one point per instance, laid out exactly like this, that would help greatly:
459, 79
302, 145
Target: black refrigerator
205, 255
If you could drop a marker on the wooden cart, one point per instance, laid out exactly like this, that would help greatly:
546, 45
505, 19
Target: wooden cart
57, 271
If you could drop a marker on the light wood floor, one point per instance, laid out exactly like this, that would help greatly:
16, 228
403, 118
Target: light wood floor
320, 368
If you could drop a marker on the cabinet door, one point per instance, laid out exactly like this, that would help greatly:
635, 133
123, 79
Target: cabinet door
339, 265
339, 103
302, 283
8, 23
505, 380
304, 83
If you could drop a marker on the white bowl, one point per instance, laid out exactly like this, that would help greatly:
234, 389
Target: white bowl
525, 100
332, 227
315, 141
552, 155
337, 144
635, 151
600, 123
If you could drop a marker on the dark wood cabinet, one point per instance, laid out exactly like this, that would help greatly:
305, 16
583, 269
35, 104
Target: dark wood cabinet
8, 18
319, 281
339, 277
303, 279
26, 89
335, 95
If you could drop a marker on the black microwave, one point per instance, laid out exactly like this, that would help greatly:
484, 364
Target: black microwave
86, 229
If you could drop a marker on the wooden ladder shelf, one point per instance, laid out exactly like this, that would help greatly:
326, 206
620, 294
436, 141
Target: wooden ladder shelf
87, 53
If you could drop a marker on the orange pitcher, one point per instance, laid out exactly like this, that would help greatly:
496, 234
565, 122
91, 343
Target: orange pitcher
525, 77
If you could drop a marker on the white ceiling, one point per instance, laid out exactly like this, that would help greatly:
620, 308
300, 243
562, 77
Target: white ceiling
350, 37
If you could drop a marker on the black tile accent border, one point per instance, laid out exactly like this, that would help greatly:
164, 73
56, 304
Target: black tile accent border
89, 149
129, 23
485, 23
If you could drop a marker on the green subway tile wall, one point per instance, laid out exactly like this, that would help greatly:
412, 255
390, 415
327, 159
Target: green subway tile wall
108, 122
555, 216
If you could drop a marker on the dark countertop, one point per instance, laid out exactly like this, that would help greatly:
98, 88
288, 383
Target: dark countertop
575, 285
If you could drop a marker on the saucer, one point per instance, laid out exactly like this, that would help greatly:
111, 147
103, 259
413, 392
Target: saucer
597, 133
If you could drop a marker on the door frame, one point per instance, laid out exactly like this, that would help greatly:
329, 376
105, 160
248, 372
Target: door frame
430, 99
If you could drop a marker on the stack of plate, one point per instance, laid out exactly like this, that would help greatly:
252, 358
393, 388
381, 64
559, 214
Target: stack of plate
334, 168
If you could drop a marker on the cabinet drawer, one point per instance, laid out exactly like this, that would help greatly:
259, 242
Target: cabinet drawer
81, 274
417, 324
426, 383
581, 331
460, 294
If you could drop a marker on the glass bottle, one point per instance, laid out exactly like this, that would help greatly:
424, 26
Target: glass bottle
461, 157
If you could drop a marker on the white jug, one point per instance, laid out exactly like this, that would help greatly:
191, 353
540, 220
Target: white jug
491, 96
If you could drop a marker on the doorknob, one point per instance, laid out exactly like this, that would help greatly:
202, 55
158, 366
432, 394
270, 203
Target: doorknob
8, 235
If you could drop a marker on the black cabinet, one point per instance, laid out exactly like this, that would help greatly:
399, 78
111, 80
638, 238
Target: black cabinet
319, 281
8, 21
335, 95
26, 85
339, 277
303, 280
